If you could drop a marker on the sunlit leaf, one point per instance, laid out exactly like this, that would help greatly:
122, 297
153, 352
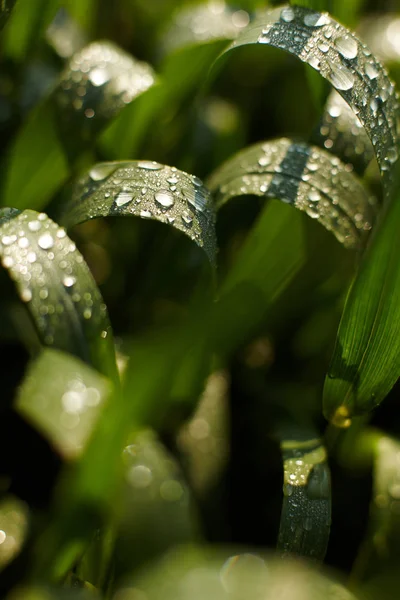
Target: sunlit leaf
148, 190
305, 176
66, 407
54, 282
96, 85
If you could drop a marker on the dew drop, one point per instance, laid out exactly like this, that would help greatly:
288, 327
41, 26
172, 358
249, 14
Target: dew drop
287, 14
371, 71
69, 281
324, 47
140, 476
7, 240
307, 523
123, 198
34, 225
314, 196
145, 214
312, 212
26, 295
164, 198
392, 155
102, 171
263, 161
46, 241
187, 218
87, 313
340, 77
149, 165
347, 46
316, 20
99, 76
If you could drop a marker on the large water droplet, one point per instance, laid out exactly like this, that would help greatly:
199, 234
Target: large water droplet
149, 165
145, 214
287, 14
34, 225
340, 77
101, 171
347, 46
316, 20
123, 198
164, 198
392, 155
46, 241
99, 76
314, 196
371, 71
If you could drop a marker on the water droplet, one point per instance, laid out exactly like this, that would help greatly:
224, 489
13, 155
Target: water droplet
371, 71
34, 225
26, 295
7, 240
23, 242
187, 218
140, 476
287, 14
87, 313
164, 198
46, 241
263, 161
392, 155
347, 46
324, 47
69, 281
145, 214
313, 61
307, 523
99, 76
313, 212
314, 196
171, 490
123, 198
287, 489
316, 20
102, 171
149, 165
340, 77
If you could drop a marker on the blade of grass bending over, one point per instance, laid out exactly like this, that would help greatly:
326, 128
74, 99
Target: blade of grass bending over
344, 61
306, 509
5, 8
57, 288
65, 124
149, 190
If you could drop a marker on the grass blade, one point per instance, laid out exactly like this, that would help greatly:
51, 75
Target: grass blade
148, 190
57, 287
306, 509
297, 174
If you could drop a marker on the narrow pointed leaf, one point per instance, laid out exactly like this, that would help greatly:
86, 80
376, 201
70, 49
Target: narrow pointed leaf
366, 359
148, 190
54, 282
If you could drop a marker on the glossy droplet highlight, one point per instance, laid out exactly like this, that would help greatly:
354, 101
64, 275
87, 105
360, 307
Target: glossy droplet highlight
102, 171
287, 14
346, 46
316, 20
371, 71
46, 241
149, 165
123, 198
164, 198
340, 77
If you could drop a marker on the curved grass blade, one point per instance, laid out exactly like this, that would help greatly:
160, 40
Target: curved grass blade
97, 84
342, 134
64, 408
306, 509
341, 58
227, 574
305, 176
5, 8
57, 287
148, 190
366, 359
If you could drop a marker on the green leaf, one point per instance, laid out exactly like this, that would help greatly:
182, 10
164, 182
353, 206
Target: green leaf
96, 85
66, 407
54, 282
306, 509
344, 61
365, 363
296, 173
148, 190
5, 9
28, 22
